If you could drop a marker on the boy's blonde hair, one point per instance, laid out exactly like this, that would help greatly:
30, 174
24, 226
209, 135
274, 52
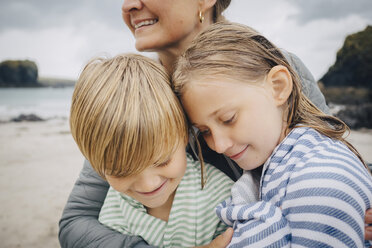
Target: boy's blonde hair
238, 51
124, 115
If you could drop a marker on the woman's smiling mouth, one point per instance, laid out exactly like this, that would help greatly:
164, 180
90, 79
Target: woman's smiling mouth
144, 23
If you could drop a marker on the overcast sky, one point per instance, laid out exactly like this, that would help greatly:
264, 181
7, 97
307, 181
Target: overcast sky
60, 36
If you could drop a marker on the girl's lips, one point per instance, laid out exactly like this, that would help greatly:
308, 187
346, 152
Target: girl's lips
154, 192
238, 155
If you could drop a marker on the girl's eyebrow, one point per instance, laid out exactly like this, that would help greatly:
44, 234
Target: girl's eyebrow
214, 113
223, 108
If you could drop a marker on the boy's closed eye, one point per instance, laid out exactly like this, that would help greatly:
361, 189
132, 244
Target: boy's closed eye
162, 164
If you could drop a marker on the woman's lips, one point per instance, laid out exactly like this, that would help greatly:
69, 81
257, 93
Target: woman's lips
238, 155
154, 192
143, 23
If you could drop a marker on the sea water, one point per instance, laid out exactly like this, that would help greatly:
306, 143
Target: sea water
47, 103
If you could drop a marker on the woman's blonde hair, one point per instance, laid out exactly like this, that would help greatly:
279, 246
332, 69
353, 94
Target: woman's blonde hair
220, 7
125, 116
237, 51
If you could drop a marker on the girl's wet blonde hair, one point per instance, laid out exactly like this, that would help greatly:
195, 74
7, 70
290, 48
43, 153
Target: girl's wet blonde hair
239, 52
125, 116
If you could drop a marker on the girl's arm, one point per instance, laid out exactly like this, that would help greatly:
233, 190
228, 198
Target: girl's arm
312, 91
79, 226
321, 205
258, 224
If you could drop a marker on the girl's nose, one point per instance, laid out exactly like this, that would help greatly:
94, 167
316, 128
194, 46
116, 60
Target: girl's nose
219, 142
129, 5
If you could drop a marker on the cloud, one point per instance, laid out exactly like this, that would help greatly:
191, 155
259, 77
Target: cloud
318, 41
331, 9
62, 35
309, 29
39, 14
62, 51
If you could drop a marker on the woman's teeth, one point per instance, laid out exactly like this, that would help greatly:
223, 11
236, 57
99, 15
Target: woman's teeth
145, 23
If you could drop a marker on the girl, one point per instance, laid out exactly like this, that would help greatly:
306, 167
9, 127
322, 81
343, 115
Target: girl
241, 93
131, 127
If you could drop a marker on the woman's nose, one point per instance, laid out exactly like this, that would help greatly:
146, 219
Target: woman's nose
129, 5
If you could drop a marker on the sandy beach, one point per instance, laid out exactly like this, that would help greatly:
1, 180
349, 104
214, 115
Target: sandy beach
38, 167
39, 163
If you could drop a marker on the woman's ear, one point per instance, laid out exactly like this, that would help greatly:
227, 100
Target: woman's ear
205, 5
280, 81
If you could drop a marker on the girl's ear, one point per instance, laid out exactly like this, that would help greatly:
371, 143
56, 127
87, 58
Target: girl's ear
280, 81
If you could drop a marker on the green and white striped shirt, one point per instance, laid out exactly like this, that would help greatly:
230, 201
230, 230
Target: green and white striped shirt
192, 220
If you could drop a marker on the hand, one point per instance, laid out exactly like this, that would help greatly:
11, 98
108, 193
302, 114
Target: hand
221, 241
368, 220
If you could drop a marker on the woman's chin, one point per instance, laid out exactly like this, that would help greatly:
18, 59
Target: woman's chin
143, 46
140, 48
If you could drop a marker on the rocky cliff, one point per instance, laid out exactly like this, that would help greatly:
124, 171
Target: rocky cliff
353, 66
18, 73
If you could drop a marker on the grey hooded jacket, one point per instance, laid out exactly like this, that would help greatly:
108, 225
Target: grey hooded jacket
79, 226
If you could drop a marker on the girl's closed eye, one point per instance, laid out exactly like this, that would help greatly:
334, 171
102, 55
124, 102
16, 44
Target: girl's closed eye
229, 119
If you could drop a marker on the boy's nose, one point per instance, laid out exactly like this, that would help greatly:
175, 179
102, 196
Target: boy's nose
148, 183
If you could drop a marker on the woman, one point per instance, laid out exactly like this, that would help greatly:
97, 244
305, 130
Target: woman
166, 27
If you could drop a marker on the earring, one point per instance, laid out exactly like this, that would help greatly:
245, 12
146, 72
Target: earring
201, 17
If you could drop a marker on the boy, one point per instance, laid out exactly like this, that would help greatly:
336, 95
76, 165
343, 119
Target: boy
131, 127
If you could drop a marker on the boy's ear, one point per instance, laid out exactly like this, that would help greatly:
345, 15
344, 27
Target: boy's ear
281, 83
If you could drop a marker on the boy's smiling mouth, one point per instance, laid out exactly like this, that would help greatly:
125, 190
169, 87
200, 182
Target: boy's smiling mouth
154, 192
